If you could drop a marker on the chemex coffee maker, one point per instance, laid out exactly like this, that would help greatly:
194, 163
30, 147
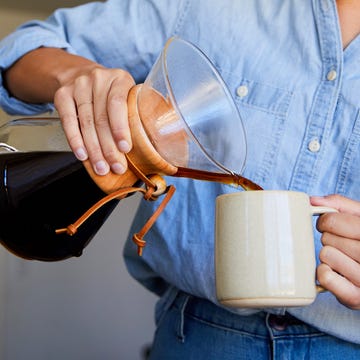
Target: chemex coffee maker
183, 123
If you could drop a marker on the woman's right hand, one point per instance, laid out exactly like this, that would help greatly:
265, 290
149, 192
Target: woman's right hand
92, 106
91, 101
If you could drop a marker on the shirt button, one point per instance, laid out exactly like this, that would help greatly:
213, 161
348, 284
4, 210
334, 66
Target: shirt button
242, 91
314, 145
331, 75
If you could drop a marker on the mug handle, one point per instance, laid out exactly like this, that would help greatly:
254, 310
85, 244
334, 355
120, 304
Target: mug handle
319, 210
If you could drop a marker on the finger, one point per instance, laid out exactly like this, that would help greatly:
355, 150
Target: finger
84, 101
341, 203
118, 110
66, 108
344, 290
341, 263
349, 247
112, 154
86, 121
341, 224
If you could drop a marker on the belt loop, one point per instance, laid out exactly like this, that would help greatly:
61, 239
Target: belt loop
180, 327
164, 304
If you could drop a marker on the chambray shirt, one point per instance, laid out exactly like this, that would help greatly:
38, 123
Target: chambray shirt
296, 89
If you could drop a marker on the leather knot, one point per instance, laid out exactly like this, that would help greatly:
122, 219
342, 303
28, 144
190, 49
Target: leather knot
140, 242
148, 195
71, 230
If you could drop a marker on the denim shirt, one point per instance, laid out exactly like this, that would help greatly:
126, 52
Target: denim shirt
297, 92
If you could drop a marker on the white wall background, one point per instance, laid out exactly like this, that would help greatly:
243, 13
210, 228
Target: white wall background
85, 308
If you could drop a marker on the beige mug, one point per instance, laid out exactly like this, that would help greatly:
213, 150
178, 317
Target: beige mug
264, 249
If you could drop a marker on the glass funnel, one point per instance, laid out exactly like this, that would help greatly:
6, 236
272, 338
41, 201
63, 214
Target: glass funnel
188, 112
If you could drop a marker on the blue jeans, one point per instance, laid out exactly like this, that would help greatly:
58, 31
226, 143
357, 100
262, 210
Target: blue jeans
193, 328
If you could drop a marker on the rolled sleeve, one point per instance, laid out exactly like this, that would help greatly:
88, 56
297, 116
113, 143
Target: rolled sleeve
27, 38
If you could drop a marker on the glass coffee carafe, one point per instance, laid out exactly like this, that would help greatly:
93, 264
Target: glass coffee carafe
183, 123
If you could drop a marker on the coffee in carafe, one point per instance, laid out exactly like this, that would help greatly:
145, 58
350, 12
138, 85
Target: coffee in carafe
41, 192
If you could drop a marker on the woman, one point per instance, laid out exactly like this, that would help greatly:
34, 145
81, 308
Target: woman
298, 64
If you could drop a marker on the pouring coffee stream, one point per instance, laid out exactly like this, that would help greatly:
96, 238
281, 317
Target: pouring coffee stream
229, 179
183, 123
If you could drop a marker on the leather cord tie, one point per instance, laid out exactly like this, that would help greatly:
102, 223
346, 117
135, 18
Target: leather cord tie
155, 186
138, 238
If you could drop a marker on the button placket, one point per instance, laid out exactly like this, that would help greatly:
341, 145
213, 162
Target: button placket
321, 112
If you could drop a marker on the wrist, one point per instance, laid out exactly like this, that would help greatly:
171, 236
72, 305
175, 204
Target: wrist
29, 82
70, 67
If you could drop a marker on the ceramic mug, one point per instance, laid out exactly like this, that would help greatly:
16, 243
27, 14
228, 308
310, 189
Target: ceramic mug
264, 250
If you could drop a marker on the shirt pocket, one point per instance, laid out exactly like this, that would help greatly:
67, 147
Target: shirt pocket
348, 183
264, 110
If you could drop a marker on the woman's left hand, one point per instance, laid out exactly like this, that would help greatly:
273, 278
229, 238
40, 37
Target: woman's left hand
339, 271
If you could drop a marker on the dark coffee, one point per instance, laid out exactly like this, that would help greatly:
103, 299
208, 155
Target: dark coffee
41, 192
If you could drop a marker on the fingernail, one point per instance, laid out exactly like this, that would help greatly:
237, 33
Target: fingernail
124, 146
81, 154
101, 168
118, 168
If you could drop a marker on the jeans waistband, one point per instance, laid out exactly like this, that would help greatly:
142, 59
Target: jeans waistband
259, 323
190, 327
